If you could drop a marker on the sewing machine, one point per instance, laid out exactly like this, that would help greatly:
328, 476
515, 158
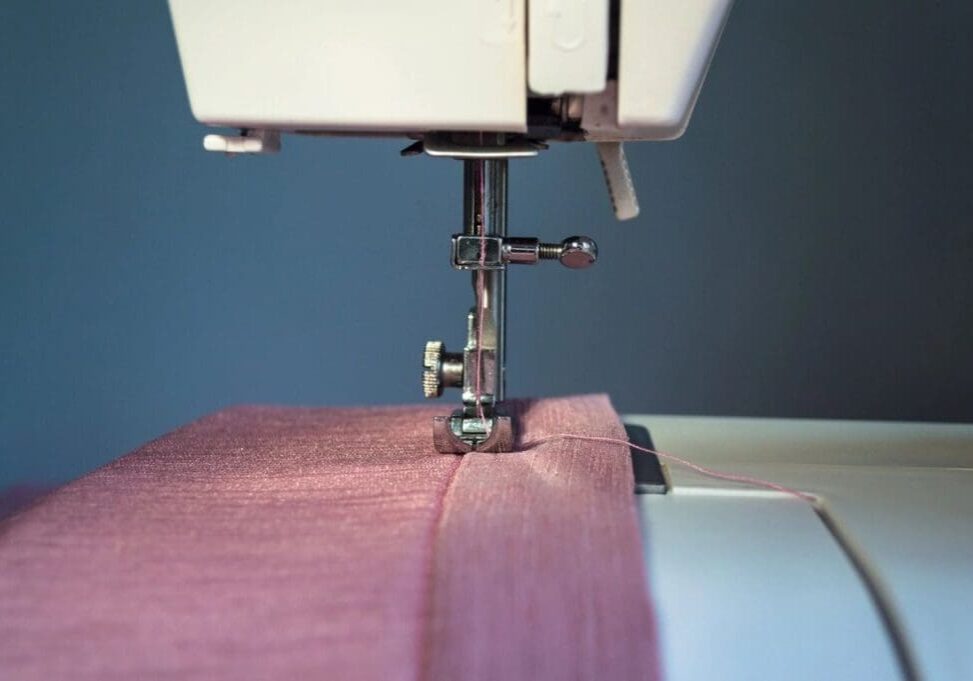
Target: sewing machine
772, 587
499, 81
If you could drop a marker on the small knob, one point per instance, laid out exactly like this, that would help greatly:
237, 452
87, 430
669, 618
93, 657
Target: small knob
440, 369
576, 252
432, 360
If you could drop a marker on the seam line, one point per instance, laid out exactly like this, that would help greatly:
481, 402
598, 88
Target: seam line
428, 612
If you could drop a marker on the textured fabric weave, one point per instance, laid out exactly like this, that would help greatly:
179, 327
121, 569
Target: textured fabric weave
284, 543
538, 563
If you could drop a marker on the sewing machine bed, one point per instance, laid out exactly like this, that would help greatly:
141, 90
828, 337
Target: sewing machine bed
750, 584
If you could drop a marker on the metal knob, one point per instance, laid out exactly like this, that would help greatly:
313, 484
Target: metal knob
440, 369
432, 385
576, 252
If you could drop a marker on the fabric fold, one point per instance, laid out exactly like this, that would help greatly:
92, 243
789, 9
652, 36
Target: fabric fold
539, 569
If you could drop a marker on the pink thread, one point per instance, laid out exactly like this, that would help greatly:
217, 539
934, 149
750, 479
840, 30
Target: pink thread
703, 470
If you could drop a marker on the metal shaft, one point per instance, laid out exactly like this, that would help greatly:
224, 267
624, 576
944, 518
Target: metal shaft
485, 214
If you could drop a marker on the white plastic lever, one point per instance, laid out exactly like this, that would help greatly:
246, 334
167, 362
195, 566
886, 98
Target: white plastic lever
621, 190
250, 142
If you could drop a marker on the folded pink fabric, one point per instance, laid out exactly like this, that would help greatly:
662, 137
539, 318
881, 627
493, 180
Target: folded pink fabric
282, 543
538, 562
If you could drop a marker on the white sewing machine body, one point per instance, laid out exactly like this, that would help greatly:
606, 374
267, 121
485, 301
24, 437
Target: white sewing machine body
755, 584
387, 66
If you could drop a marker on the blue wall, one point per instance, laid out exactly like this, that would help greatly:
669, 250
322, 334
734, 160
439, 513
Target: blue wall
805, 250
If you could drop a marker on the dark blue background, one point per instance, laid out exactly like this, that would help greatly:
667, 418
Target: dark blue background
805, 249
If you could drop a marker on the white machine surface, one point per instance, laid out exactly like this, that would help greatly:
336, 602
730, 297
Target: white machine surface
753, 584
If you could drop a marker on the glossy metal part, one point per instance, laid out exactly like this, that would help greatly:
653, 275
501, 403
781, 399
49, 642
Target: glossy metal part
482, 374
448, 438
471, 146
485, 214
440, 369
494, 252
485, 250
521, 250
470, 252
578, 252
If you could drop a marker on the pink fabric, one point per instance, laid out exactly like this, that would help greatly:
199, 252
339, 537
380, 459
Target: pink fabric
283, 543
538, 565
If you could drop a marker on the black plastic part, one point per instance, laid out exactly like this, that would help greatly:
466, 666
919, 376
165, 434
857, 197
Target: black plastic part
649, 477
614, 16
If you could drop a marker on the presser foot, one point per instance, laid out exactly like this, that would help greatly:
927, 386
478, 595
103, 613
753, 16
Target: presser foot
461, 434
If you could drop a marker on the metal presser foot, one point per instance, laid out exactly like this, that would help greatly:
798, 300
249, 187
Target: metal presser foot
485, 249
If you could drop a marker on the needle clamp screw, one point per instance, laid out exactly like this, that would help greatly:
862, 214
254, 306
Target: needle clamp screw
470, 252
